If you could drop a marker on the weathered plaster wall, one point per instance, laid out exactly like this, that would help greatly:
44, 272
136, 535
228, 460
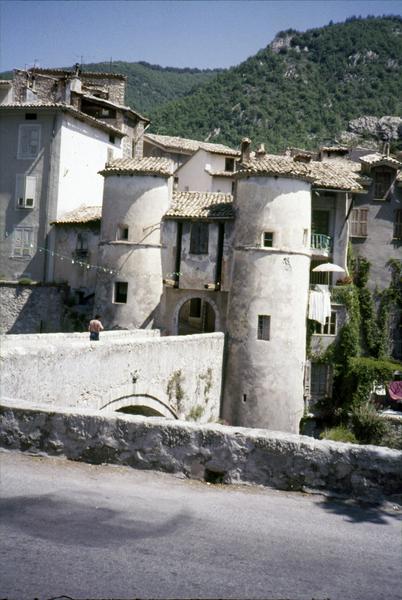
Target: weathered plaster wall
138, 203
31, 308
264, 377
83, 153
179, 374
211, 452
379, 246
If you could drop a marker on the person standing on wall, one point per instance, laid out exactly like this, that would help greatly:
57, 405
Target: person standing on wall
95, 327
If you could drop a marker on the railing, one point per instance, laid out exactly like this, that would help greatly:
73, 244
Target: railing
321, 242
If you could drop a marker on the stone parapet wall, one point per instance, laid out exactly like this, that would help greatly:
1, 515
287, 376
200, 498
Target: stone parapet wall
214, 453
31, 308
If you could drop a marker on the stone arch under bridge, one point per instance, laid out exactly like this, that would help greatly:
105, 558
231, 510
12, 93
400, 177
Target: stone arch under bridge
140, 404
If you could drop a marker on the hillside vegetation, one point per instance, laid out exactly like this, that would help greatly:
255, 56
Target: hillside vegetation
300, 90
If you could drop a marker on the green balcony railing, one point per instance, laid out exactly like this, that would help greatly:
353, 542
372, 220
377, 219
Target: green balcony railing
322, 242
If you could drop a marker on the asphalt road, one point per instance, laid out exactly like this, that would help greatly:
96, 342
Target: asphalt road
112, 532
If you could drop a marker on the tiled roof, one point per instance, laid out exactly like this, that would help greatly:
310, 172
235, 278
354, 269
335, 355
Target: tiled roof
188, 146
139, 166
380, 159
81, 116
334, 149
321, 174
83, 214
6, 82
220, 173
201, 205
275, 165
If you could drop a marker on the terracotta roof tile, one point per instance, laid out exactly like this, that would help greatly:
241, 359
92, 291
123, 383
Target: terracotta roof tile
380, 159
341, 176
83, 214
139, 166
81, 116
180, 144
201, 205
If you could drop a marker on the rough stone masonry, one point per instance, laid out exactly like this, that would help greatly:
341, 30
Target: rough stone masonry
214, 453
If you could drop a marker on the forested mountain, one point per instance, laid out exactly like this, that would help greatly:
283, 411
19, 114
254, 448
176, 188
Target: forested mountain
150, 86
300, 90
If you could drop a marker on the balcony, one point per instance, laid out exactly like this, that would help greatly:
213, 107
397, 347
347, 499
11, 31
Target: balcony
321, 244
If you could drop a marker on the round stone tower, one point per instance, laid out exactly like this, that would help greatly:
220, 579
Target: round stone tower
267, 308
136, 196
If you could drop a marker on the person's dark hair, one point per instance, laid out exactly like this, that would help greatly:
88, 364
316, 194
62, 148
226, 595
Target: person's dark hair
97, 316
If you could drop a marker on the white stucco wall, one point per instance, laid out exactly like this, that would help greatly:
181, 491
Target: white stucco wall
83, 152
192, 174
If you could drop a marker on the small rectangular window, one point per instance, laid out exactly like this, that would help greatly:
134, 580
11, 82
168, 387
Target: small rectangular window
398, 224
28, 141
25, 191
31, 116
268, 239
229, 164
122, 233
358, 222
112, 138
195, 308
264, 327
382, 183
23, 242
199, 238
320, 380
120, 292
329, 328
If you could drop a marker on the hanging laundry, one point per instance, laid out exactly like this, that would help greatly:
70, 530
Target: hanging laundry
319, 306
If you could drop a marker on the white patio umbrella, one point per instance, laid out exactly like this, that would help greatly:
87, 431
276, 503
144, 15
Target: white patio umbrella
328, 268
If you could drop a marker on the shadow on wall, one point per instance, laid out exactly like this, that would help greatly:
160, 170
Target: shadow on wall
32, 308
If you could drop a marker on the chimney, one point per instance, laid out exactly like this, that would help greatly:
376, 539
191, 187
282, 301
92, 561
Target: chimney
245, 149
261, 152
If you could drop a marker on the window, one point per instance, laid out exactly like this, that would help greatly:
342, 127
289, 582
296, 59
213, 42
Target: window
25, 191
320, 384
398, 224
81, 247
23, 241
358, 222
319, 277
329, 328
320, 222
28, 141
382, 183
268, 239
199, 238
229, 164
31, 116
120, 292
264, 327
195, 308
112, 138
233, 187
122, 233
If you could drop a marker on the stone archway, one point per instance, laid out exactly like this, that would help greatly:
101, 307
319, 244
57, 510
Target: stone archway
140, 404
205, 317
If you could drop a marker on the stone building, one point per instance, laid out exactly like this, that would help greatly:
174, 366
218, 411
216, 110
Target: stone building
198, 261
199, 166
58, 128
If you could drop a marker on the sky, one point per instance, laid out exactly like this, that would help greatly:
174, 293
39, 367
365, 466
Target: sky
186, 33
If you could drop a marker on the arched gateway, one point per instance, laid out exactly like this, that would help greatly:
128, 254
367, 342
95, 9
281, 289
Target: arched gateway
140, 404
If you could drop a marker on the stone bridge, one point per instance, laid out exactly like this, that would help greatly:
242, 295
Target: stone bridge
138, 372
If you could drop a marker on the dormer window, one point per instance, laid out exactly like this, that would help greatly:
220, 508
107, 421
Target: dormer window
383, 179
229, 164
